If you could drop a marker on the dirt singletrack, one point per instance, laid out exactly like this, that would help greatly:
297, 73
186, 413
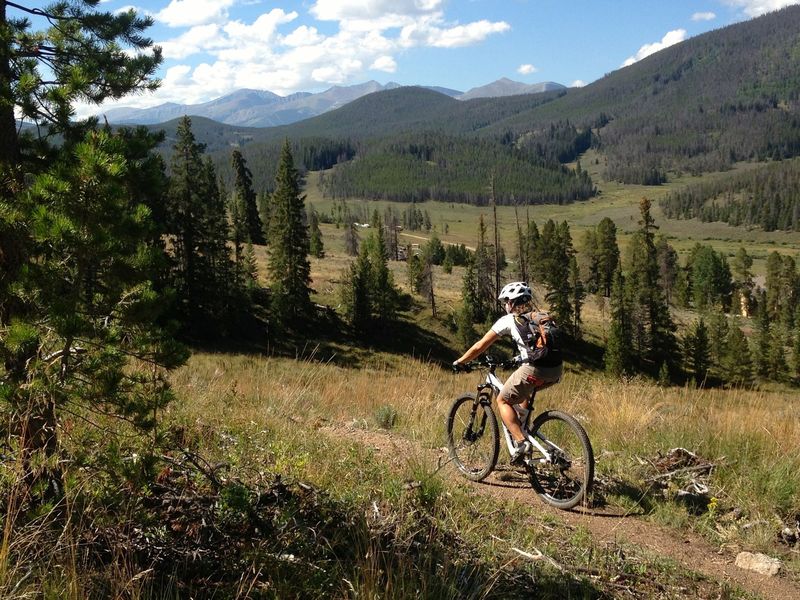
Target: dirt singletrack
605, 524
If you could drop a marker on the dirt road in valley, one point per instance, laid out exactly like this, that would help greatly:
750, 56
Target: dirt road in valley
605, 525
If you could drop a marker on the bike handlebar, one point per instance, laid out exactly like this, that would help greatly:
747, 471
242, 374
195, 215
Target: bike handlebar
487, 361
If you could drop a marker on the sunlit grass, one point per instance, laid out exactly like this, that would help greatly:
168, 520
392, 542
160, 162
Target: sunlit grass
750, 435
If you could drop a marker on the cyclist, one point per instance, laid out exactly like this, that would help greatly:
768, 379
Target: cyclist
540, 364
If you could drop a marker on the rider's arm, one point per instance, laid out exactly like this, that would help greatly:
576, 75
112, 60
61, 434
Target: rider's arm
479, 347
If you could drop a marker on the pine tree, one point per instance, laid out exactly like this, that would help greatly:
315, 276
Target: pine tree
589, 261
521, 253
382, 292
774, 285
86, 55
607, 254
485, 299
777, 367
351, 240
652, 324
447, 264
426, 288
250, 269
737, 364
263, 202
465, 332
197, 220
710, 278
392, 226
315, 235
88, 304
414, 271
532, 248
238, 232
471, 310
246, 198
578, 294
354, 293
718, 331
369, 295
289, 269
618, 358
434, 251
763, 343
557, 278
85, 206
668, 267
698, 352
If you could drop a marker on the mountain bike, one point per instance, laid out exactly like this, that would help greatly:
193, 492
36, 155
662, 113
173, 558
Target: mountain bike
561, 464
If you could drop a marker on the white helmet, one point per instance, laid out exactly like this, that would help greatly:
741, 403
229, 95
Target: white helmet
516, 292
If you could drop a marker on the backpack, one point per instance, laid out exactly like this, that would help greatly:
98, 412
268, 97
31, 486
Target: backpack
548, 340
547, 331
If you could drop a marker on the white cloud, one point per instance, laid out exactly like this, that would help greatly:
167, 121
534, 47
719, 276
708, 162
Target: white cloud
578, 83
384, 63
302, 36
185, 13
221, 54
344, 10
704, 16
754, 8
201, 38
526, 69
337, 73
428, 32
670, 38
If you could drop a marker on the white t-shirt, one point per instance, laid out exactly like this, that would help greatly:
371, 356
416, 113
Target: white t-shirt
520, 332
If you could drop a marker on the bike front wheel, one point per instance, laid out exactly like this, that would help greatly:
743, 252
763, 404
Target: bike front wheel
564, 478
473, 438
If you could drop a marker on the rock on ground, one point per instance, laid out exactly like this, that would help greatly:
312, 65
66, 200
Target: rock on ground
760, 563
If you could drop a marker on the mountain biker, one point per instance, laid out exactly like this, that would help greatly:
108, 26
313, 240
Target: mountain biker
540, 365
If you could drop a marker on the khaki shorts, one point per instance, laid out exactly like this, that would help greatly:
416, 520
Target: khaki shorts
520, 385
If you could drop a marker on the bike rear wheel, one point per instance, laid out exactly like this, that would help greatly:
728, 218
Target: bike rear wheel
565, 479
473, 438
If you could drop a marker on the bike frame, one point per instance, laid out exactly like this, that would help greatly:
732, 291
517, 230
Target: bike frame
494, 384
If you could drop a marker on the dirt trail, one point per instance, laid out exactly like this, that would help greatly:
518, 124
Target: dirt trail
605, 525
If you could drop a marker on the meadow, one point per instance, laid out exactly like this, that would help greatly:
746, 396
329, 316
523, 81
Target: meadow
336, 448
617, 201
338, 401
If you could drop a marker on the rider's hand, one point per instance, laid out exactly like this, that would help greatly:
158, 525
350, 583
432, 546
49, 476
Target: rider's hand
458, 367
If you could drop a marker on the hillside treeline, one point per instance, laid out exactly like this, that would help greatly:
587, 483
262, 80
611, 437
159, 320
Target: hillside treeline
310, 154
433, 166
768, 197
726, 96
427, 165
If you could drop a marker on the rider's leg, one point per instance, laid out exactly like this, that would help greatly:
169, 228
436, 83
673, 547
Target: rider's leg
517, 388
510, 418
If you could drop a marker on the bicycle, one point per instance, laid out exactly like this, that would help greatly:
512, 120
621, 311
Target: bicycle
561, 465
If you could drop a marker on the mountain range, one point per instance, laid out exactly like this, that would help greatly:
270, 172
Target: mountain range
262, 108
726, 96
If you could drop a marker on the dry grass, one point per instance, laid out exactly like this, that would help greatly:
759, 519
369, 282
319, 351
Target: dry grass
751, 434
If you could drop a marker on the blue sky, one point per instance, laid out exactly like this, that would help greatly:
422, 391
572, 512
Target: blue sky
213, 47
